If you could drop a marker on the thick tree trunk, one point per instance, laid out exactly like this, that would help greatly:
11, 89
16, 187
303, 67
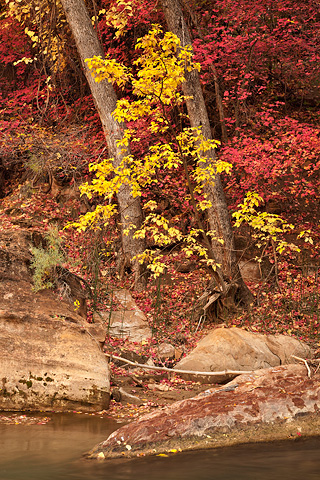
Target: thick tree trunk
224, 135
218, 215
105, 99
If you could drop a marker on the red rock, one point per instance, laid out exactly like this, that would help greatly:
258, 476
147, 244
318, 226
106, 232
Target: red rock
253, 407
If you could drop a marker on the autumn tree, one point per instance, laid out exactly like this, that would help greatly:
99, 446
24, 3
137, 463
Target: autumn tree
161, 72
222, 249
217, 214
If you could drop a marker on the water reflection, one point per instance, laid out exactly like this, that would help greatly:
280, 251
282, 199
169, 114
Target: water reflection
53, 452
47, 451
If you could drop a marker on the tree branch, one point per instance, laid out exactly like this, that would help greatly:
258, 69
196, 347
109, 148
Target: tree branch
305, 362
165, 369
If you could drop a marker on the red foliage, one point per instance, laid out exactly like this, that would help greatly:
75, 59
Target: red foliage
280, 161
262, 51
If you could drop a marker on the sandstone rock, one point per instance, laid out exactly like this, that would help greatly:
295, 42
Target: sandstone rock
150, 362
98, 331
15, 255
237, 349
71, 289
120, 395
126, 355
128, 323
166, 351
158, 386
250, 270
131, 324
270, 404
48, 361
124, 298
15, 259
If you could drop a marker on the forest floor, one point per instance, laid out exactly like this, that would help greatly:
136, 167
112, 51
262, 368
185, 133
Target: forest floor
136, 391
290, 306
154, 391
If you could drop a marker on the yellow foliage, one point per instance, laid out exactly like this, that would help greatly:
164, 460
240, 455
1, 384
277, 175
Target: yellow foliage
36, 18
118, 15
156, 89
108, 69
101, 215
267, 226
152, 205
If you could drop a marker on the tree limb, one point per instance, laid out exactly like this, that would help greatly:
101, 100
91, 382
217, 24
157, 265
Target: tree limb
305, 362
165, 369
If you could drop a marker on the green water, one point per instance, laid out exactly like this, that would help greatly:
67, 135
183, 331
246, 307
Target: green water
53, 452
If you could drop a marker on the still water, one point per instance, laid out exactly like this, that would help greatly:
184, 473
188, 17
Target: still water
53, 452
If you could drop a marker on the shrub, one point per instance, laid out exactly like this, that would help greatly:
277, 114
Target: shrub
45, 260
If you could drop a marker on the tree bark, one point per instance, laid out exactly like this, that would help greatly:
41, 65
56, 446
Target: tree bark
224, 135
105, 100
218, 214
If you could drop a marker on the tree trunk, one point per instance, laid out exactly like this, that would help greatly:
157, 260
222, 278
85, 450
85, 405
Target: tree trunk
105, 100
224, 135
218, 215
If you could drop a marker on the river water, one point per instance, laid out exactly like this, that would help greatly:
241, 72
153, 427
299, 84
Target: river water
53, 452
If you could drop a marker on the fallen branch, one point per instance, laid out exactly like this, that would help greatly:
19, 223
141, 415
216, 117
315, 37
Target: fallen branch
305, 362
171, 370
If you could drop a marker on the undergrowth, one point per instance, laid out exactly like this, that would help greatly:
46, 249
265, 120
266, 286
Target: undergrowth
45, 260
292, 307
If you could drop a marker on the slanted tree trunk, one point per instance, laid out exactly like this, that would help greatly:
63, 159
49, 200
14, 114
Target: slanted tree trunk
224, 135
105, 99
218, 215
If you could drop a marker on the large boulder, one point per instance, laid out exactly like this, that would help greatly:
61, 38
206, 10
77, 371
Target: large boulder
271, 404
237, 349
127, 321
48, 360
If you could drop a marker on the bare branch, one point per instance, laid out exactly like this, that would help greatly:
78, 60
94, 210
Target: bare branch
165, 369
305, 362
